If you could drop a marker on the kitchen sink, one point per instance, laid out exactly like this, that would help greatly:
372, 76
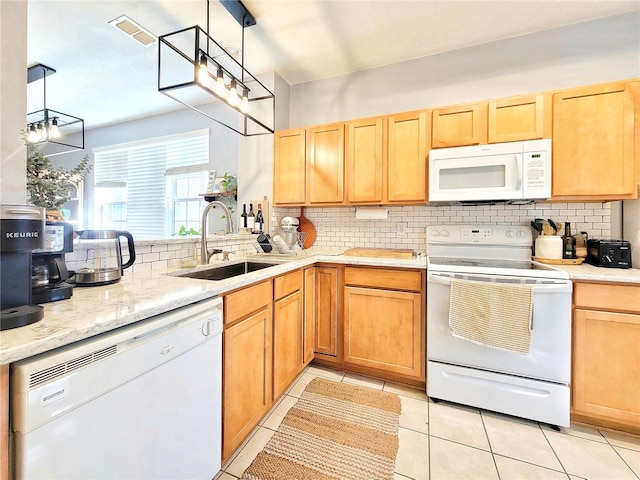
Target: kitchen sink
227, 271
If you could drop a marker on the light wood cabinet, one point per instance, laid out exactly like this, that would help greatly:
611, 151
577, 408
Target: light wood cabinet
309, 335
384, 321
288, 330
363, 158
526, 117
595, 155
247, 366
325, 165
289, 174
406, 160
606, 358
326, 311
459, 125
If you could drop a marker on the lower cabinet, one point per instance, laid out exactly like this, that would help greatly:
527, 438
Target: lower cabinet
384, 321
606, 355
247, 363
288, 331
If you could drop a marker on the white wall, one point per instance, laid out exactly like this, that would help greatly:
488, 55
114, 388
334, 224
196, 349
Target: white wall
13, 98
591, 52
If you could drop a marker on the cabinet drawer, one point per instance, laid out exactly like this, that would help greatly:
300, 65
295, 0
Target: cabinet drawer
607, 296
241, 303
287, 284
383, 278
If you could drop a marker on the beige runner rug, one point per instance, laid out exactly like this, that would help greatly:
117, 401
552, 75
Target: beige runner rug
334, 431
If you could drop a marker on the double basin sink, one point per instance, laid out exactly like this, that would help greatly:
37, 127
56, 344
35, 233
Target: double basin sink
226, 271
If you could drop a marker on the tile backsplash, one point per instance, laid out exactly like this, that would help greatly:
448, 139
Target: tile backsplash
337, 228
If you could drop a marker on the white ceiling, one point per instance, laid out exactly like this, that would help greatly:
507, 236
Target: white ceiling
106, 77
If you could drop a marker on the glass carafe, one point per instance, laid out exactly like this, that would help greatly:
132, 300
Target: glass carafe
100, 256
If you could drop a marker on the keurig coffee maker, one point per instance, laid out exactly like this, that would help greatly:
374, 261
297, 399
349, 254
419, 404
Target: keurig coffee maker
48, 268
21, 228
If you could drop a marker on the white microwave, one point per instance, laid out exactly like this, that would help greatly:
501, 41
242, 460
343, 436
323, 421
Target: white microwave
516, 171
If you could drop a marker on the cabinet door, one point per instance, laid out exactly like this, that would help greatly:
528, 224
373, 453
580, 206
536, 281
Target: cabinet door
458, 126
383, 330
517, 118
287, 341
606, 365
364, 161
247, 378
326, 314
309, 335
325, 164
406, 167
593, 142
289, 167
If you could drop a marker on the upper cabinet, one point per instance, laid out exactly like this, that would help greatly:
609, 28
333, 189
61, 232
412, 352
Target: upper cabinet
459, 126
519, 118
289, 175
594, 153
406, 163
363, 158
325, 164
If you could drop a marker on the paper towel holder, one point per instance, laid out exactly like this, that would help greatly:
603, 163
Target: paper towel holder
372, 213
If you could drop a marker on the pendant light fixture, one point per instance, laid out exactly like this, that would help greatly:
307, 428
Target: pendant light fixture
198, 72
49, 127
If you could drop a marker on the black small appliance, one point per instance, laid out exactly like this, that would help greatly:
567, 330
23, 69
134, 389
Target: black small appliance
48, 268
21, 228
609, 253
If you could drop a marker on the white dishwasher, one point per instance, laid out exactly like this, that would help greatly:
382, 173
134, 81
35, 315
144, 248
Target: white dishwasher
141, 402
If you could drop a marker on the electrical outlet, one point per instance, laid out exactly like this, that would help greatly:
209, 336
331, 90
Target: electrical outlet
401, 229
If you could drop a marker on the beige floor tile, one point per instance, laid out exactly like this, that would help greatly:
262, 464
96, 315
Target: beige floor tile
510, 469
299, 386
581, 431
413, 455
397, 476
619, 439
589, 459
363, 381
275, 417
453, 461
326, 372
458, 424
249, 452
509, 418
225, 476
405, 391
415, 414
300, 375
273, 407
520, 441
631, 457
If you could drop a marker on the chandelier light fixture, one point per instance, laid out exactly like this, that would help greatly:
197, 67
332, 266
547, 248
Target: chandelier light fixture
195, 70
50, 127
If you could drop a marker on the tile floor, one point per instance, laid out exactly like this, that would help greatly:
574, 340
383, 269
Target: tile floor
449, 441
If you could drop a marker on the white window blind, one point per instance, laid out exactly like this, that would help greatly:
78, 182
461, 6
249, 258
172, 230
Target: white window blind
132, 180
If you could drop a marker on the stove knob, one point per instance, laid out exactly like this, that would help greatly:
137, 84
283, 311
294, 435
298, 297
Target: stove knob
509, 233
445, 232
519, 234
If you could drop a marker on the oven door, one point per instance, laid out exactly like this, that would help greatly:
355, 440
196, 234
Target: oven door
549, 358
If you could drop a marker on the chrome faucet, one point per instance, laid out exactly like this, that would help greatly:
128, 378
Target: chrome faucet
205, 253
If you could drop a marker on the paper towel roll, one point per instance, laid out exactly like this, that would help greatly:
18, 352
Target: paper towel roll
371, 213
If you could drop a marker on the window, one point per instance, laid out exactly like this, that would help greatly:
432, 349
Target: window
151, 188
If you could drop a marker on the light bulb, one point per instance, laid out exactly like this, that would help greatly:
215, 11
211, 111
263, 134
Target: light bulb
244, 103
202, 70
221, 88
33, 135
54, 131
46, 131
42, 134
233, 94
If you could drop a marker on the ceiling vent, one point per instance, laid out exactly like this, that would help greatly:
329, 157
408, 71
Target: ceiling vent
134, 30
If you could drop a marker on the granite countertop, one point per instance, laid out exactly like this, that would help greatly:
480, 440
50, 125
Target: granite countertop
588, 272
140, 295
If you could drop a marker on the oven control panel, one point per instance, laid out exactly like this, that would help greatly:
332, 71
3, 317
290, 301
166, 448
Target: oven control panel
479, 234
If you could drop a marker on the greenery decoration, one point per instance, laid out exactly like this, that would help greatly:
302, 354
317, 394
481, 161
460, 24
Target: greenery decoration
184, 232
50, 187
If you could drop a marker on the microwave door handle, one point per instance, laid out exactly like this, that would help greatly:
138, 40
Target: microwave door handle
519, 171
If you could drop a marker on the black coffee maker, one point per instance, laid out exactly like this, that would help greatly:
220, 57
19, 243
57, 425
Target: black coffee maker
21, 228
48, 268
